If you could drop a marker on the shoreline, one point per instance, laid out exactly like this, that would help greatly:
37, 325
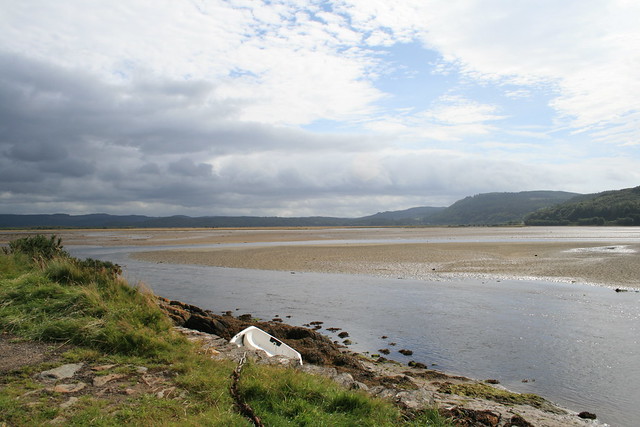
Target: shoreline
411, 387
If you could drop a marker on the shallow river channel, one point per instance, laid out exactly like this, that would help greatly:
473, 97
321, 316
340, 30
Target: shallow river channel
574, 344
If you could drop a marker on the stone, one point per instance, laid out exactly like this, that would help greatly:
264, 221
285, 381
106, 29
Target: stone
405, 352
472, 417
357, 385
69, 403
68, 388
417, 365
205, 324
344, 379
587, 415
414, 399
102, 380
518, 421
61, 372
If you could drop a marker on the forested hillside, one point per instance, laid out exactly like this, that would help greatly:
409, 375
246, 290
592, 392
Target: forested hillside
620, 207
497, 208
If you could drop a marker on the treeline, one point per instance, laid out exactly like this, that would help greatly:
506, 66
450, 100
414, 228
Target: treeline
621, 207
497, 208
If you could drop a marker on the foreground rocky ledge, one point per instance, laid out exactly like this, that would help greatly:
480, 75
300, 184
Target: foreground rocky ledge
468, 402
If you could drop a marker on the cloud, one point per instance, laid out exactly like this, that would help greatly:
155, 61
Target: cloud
307, 108
586, 51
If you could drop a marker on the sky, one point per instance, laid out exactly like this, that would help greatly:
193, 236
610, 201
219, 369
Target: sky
300, 108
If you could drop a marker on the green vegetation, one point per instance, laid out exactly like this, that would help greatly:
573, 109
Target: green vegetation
47, 296
491, 393
621, 207
497, 208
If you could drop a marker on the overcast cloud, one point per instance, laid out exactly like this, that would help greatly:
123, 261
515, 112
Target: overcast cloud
297, 108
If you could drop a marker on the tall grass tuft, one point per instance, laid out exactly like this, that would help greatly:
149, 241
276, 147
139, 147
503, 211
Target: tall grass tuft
83, 303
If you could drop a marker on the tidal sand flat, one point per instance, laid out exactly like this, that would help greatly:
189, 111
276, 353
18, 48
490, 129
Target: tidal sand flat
606, 256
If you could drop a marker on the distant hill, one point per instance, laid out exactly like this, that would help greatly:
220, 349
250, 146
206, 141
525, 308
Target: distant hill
618, 207
531, 207
412, 216
497, 208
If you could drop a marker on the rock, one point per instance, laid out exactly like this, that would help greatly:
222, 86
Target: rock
344, 379
69, 403
357, 385
141, 369
518, 421
471, 417
587, 415
414, 399
68, 388
405, 352
245, 317
343, 334
206, 324
187, 307
417, 365
102, 380
621, 290
384, 351
492, 381
61, 372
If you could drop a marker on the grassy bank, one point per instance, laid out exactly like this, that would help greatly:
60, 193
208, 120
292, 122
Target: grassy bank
118, 331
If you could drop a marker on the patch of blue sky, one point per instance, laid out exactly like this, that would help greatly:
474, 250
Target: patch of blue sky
409, 77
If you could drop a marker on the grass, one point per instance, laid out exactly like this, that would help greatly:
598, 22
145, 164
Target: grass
56, 298
492, 393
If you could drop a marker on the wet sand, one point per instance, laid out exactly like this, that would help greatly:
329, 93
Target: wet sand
429, 261
598, 255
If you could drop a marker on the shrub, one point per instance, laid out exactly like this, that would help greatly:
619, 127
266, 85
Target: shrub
38, 246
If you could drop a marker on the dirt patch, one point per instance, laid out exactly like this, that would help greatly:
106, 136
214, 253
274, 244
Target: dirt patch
15, 353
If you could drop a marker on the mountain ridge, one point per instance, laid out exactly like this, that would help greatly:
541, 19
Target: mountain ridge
481, 209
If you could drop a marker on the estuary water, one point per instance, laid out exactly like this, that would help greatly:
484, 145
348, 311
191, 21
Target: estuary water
574, 344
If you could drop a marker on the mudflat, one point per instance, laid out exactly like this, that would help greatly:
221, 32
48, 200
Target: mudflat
598, 255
